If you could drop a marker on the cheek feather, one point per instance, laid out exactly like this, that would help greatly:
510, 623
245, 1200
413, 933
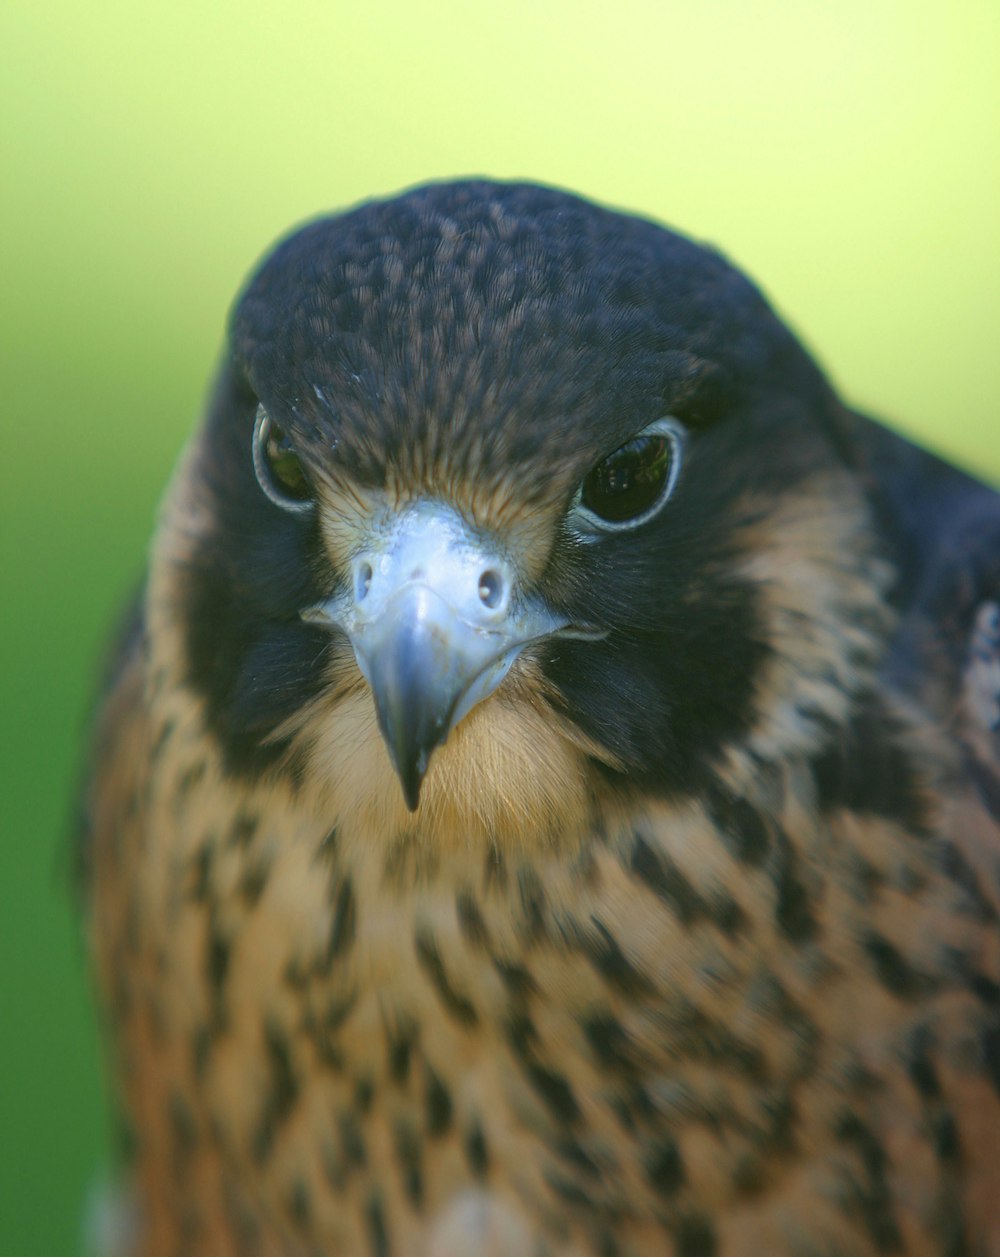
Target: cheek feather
822, 587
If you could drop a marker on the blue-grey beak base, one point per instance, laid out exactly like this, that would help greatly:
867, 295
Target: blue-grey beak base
436, 616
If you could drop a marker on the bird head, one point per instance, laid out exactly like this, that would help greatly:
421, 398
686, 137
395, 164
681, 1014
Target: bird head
522, 500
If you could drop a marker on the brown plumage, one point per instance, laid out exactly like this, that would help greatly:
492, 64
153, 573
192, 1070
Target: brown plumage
667, 925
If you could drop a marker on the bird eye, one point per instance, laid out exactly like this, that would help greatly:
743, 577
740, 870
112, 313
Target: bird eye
629, 486
279, 471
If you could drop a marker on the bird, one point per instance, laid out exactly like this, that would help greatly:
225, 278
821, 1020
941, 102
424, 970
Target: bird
544, 800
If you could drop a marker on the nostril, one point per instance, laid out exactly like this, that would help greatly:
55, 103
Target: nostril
490, 588
362, 581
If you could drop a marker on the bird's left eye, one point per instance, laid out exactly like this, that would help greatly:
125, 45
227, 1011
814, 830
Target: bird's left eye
279, 471
631, 485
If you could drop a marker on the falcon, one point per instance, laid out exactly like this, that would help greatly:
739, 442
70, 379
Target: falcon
545, 797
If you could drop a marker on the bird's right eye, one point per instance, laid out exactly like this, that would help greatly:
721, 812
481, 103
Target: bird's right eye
278, 467
631, 485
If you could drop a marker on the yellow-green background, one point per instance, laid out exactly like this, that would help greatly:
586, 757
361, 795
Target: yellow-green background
845, 153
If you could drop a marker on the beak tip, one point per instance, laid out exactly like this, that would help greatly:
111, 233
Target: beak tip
411, 773
409, 750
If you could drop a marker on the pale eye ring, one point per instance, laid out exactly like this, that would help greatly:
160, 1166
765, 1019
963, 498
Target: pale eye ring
277, 466
633, 483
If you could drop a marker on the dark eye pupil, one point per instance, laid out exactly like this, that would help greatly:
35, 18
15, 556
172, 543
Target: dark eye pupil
630, 480
283, 462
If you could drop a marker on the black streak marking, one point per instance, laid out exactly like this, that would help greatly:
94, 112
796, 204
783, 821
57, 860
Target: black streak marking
364, 1094
253, 882
664, 1167
572, 1151
946, 1141
282, 1093
895, 973
921, 1069
457, 1004
201, 1047
476, 1152
521, 1035
873, 1198
297, 974
533, 904
793, 911
328, 847
870, 771
694, 1035
516, 978
217, 966
780, 1131
750, 1174
985, 989
377, 1232
554, 1090
695, 1237
609, 1043
351, 1139
991, 1054
569, 1191
438, 1104
728, 915
611, 963
741, 825
665, 879
344, 923
188, 780
955, 866
551, 1087
607, 1245
470, 920
986, 783
328, 1049
622, 1109
494, 870
163, 736
299, 1204
338, 1010
202, 872
400, 1039
408, 1154
243, 829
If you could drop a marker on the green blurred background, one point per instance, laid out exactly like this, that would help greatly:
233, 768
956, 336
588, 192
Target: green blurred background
845, 154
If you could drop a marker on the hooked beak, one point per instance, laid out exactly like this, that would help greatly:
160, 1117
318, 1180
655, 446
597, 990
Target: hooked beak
436, 617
